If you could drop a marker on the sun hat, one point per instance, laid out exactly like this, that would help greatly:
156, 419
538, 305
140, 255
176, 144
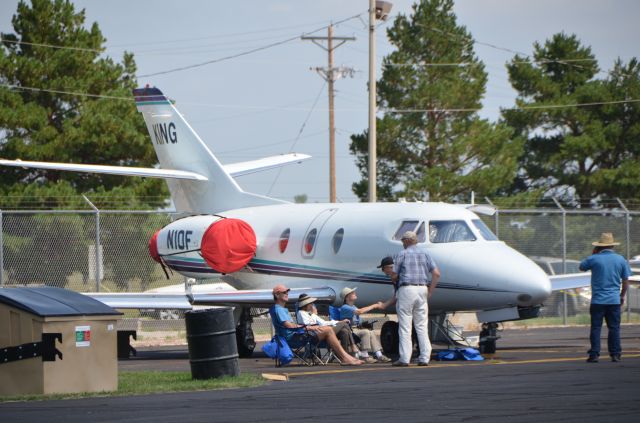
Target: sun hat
346, 291
305, 299
386, 262
606, 240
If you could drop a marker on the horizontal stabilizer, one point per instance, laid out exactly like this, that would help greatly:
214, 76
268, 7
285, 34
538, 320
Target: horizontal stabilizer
570, 281
112, 170
245, 168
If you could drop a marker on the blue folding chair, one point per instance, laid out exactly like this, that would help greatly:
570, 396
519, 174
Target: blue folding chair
303, 344
315, 351
334, 313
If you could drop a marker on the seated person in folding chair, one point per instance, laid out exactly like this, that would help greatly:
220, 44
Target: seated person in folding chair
369, 340
286, 328
308, 315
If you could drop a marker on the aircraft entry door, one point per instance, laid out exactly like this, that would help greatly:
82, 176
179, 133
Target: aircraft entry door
313, 232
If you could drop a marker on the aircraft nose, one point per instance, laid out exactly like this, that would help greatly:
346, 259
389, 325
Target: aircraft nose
502, 268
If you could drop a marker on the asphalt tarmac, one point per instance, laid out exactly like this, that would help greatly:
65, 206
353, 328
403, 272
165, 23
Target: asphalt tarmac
537, 375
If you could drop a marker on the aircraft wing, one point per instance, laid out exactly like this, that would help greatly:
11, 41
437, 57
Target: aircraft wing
577, 280
184, 301
570, 281
245, 168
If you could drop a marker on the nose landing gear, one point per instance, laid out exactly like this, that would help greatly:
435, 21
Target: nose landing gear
488, 337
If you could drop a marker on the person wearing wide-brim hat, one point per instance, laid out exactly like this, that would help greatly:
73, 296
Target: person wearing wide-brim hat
369, 340
286, 328
610, 274
308, 315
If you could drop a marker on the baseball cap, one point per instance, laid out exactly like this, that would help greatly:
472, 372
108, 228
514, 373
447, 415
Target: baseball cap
280, 288
386, 262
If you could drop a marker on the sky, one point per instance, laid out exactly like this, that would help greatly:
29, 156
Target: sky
272, 101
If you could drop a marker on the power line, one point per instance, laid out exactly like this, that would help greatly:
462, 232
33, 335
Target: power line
390, 110
244, 53
304, 124
93, 50
548, 106
110, 97
234, 34
108, 46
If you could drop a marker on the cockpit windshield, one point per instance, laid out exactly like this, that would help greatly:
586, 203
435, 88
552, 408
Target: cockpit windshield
441, 231
484, 230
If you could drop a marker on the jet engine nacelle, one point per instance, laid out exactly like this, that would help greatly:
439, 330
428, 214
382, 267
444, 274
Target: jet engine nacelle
225, 244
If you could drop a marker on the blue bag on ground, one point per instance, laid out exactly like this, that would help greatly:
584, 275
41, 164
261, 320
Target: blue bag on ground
460, 354
279, 348
271, 348
472, 354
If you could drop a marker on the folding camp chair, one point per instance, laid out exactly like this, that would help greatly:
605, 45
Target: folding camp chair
314, 351
334, 314
303, 345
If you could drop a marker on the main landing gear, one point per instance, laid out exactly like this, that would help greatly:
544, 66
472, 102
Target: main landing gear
389, 337
244, 334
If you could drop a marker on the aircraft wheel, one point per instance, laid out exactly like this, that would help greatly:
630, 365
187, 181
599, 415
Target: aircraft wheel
244, 335
389, 337
488, 338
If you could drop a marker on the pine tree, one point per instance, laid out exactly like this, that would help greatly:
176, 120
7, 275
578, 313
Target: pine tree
431, 141
62, 99
577, 153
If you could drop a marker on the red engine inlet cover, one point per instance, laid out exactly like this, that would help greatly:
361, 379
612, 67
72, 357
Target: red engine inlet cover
228, 245
153, 246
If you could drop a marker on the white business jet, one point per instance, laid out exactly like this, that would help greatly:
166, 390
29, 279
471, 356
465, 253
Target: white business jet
253, 242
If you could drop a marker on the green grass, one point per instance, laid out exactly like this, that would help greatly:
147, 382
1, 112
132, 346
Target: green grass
148, 382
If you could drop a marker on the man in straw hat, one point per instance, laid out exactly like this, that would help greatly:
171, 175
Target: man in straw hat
609, 270
417, 277
369, 340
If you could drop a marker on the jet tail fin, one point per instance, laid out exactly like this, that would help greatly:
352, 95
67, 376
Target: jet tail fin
179, 147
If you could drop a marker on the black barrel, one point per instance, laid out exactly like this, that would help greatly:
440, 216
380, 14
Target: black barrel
211, 335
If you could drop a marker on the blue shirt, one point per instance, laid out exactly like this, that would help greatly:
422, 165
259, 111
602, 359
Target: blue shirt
349, 312
608, 270
279, 316
413, 266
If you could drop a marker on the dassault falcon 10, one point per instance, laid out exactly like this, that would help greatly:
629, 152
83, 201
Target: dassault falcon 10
253, 242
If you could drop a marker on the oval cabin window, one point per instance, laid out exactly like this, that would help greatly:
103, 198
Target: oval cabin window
284, 240
310, 241
337, 240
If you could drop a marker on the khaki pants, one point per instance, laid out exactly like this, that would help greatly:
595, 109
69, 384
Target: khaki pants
345, 336
368, 340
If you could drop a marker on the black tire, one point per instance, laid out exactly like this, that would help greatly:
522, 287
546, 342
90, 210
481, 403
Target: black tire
487, 347
245, 340
389, 337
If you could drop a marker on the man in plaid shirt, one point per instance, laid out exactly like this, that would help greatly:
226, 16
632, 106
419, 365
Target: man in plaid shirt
417, 277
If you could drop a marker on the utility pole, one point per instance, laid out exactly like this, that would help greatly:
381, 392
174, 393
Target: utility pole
372, 103
331, 74
377, 10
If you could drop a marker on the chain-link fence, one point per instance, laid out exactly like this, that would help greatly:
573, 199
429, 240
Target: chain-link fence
556, 239
58, 248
